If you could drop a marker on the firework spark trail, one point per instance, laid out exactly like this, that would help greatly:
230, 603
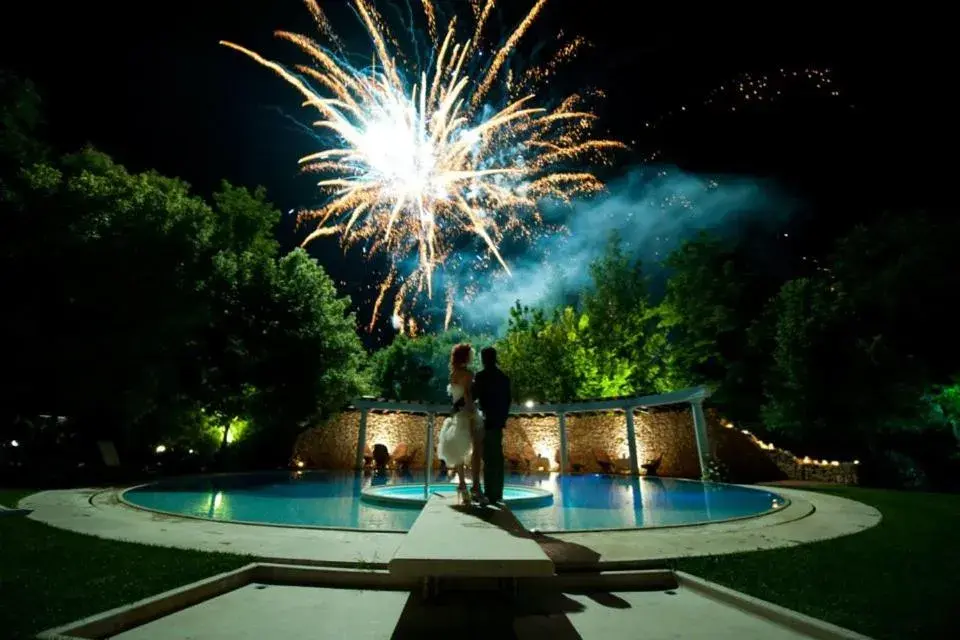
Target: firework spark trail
431, 13
419, 161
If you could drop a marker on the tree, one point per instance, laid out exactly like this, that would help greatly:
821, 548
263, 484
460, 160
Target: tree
106, 300
803, 316
858, 346
312, 362
21, 118
149, 316
624, 331
554, 360
712, 296
417, 368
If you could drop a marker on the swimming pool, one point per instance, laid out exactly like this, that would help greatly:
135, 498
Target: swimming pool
333, 499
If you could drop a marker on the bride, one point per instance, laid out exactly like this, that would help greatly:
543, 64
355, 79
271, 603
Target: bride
462, 432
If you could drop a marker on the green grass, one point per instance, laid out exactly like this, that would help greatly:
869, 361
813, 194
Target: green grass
896, 580
10, 497
49, 577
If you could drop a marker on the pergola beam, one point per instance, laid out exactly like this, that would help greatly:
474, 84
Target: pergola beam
693, 394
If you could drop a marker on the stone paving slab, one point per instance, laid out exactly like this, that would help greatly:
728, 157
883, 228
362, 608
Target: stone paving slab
260, 611
452, 540
290, 601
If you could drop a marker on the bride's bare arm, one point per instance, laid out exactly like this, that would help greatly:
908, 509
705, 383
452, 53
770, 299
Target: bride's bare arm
465, 379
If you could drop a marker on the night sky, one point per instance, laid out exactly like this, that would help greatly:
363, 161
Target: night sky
148, 84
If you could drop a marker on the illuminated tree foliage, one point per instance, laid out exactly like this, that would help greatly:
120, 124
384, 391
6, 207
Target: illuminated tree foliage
146, 314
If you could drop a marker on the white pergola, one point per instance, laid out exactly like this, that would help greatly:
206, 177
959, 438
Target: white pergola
694, 396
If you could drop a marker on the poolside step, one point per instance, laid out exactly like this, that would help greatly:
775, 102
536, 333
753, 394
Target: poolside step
449, 540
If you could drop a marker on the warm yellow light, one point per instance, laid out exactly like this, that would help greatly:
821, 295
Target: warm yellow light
806, 460
745, 432
856, 462
834, 463
161, 448
300, 463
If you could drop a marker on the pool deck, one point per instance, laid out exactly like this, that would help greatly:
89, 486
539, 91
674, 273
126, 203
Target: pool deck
260, 601
809, 517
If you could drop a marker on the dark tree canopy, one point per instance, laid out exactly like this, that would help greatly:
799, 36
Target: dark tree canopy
147, 315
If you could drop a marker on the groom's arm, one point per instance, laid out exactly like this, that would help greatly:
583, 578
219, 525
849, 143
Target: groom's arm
477, 389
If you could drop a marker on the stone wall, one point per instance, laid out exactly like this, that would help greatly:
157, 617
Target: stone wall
332, 445
542, 433
667, 432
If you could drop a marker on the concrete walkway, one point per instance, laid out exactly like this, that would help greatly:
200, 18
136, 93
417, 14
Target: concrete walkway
263, 611
448, 539
810, 517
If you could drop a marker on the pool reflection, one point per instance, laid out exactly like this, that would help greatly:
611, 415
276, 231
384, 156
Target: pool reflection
331, 499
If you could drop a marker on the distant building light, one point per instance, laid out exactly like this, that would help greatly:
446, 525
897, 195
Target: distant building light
161, 448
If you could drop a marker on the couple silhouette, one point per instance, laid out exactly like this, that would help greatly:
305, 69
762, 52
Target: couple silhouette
474, 431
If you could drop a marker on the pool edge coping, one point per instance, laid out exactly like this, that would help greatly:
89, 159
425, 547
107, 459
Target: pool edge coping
826, 517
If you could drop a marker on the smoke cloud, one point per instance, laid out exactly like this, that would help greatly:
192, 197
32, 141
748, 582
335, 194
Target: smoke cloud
652, 210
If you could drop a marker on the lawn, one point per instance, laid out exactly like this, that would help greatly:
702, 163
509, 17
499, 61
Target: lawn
50, 577
896, 580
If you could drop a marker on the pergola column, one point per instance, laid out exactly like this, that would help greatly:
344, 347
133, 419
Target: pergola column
700, 433
361, 438
429, 456
562, 420
632, 442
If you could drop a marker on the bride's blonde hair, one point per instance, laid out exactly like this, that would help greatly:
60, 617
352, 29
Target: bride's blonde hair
459, 356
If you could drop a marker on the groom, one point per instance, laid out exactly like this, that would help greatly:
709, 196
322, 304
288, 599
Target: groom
491, 389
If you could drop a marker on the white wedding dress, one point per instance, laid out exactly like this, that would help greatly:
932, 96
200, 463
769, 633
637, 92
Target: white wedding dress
456, 437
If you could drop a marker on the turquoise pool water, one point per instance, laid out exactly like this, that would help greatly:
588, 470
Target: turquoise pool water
332, 499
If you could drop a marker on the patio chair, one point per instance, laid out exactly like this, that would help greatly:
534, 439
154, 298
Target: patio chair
650, 468
603, 459
111, 461
403, 457
576, 461
381, 456
529, 457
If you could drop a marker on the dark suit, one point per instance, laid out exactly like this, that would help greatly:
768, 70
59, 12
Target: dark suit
491, 390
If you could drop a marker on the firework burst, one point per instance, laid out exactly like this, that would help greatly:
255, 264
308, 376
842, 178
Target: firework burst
419, 160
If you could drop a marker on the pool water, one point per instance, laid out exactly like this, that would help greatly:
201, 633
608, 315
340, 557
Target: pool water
332, 499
